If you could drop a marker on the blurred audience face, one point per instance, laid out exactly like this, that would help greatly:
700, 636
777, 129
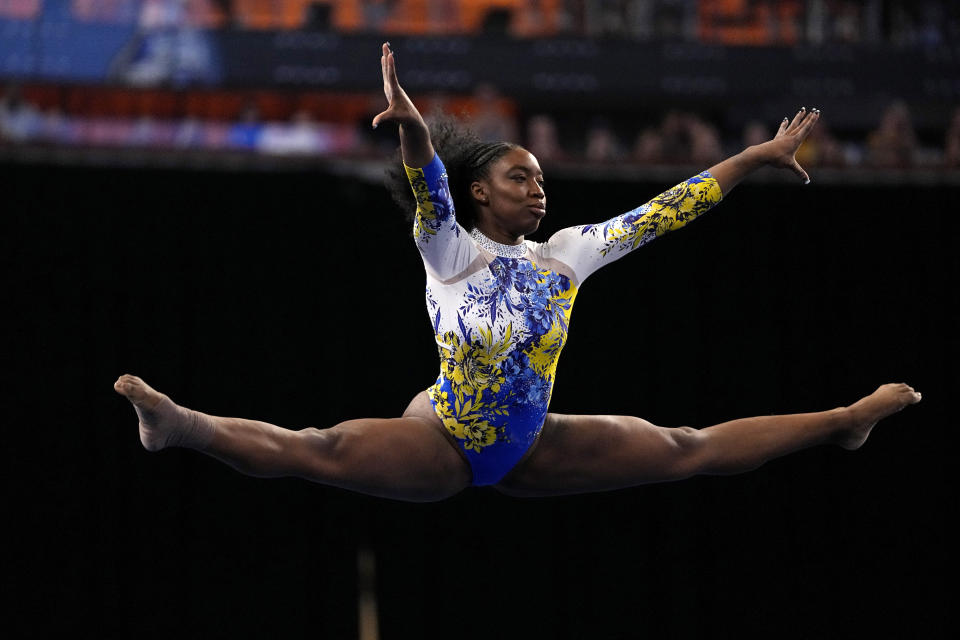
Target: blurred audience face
704, 143
648, 148
896, 120
755, 132
542, 138
893, 143
602, 144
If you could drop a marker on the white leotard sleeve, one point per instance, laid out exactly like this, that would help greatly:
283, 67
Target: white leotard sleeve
587, 248
446, 248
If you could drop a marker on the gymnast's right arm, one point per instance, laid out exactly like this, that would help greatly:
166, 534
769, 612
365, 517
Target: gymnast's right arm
445, 250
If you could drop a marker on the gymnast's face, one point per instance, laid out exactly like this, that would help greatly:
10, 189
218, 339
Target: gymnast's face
510, 201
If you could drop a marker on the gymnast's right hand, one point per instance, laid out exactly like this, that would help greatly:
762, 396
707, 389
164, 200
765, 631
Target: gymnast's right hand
400, 108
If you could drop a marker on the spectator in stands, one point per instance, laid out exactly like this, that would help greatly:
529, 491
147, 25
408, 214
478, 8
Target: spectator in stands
648, 148
143, 133
189, 133
821, 149
56, 128
493, 117
921, 22
165, 49
675, 135
846, 21
19, 120
542, 139
245, 134
705, 145
301, 136
755, 132
604, 17
893, 143
530, 20
602, 143
687, 138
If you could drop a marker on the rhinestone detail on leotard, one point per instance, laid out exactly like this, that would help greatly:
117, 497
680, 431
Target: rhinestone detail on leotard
497, 249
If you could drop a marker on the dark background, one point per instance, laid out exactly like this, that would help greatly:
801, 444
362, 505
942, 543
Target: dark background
296, 297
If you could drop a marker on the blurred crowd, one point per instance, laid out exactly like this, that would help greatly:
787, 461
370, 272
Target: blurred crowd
671, 138
744, 22
687, 138
22, 123
171, 30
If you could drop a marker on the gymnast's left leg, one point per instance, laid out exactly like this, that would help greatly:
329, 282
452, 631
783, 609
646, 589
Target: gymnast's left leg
580, 454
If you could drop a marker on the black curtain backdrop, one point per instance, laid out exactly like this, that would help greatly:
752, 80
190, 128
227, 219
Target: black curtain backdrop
297, 298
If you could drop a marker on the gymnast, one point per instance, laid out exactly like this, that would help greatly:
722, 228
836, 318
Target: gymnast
500, 307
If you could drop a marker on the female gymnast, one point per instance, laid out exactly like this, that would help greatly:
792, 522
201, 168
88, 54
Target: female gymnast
500, 307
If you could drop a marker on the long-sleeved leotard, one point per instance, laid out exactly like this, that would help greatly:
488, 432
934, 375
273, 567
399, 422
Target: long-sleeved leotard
500, 313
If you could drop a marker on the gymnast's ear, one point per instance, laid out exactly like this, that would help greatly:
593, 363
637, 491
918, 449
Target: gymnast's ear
478, 192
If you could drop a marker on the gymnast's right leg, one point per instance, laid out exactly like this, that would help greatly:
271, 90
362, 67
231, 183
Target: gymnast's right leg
404, 458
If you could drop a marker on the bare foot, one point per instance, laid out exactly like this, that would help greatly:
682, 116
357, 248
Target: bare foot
163, 423
868, 411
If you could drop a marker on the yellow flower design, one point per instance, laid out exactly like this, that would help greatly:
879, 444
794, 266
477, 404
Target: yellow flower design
444, 407
465, 421
426, 220
544, 358
668, 211
474, 367
479, 434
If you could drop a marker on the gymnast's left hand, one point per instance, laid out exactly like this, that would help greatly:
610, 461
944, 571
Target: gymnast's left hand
781, 152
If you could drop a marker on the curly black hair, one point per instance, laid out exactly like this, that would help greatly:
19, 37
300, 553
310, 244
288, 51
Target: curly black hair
466, 157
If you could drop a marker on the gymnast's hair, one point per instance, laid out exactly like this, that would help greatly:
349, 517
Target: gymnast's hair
467, 159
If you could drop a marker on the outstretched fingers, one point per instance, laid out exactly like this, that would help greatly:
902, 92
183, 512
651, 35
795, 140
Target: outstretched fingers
801, 124
783, 127
797, 119
390, 84
383, 67
807, 125
804, 127
389, 78
390, 68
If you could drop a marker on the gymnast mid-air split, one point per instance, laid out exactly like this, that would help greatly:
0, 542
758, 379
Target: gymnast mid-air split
500, 307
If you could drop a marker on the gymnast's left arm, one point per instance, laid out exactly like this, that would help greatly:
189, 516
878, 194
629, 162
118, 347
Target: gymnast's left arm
587, 248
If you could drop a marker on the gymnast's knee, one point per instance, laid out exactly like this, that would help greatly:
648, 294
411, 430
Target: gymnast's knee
705, 455
690, 448
319, 452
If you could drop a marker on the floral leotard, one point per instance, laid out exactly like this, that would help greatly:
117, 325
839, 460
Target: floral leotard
500, 313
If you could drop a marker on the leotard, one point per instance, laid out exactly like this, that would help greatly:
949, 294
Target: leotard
500, 313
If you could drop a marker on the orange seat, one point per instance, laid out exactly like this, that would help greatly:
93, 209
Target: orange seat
740, 22
206, 14
272, 14
410, 17
294, 14
254, 14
